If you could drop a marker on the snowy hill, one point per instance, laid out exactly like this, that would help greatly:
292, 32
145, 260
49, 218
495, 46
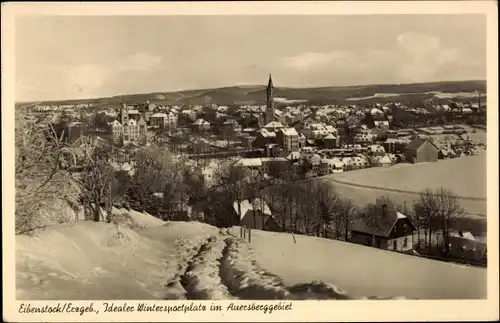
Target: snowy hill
145, 258
364, 271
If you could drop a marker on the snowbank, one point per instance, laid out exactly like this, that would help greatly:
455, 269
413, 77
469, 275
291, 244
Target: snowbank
92, 260
243, 276
202, 279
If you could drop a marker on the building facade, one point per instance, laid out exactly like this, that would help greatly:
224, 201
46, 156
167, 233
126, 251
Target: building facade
421, 151
288, 139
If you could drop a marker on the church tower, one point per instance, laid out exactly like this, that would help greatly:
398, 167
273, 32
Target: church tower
270, 102
124, 114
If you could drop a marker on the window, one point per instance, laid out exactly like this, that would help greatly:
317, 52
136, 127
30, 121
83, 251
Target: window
394, 245
405, 242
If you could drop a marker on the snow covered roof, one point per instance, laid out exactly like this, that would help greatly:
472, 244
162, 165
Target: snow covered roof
376, 148
385, 160
249, 129
200, 122
247, 205
266, 133
330, 136
382, 226
289, 132
376, 111
231, 121
248, 162
274, 124
159, 115
400, 215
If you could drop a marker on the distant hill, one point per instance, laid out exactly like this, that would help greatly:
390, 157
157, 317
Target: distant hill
255, 94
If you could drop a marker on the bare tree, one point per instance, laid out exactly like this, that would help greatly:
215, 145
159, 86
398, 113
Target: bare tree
437, 208
157, 171
233, 183
95, 187
41, 176
328, 206
348, 211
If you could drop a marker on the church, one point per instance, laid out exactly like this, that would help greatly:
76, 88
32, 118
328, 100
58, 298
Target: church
269, 115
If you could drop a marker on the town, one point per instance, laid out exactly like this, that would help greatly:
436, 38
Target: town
279, 144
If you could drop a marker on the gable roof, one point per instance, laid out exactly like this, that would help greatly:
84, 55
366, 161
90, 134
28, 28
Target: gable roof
416, 143
247, 205
274, 124
380, 225
200, 122
248, 162
289, 132
330, 136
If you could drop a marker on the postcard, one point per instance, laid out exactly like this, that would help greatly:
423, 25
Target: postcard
250, 161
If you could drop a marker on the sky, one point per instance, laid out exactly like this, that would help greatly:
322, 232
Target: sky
62, 57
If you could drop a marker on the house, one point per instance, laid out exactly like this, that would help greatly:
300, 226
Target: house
389, 230
382, 124
288, 139
421, 150
200, 125
274, 165
272, 150
274, 125
377, 150
143, 130
315, 161
394, 145
255, 214
331, 165
382, 161
331, 141
253, 164
363, 138
264, 137
231, 126
464, 246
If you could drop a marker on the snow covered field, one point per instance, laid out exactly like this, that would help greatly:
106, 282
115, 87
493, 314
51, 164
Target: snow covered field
191, 260
403, 182
364, 271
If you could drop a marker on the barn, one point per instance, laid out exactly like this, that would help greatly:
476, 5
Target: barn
421, 151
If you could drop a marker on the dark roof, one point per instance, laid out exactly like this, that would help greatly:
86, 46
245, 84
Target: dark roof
467, 249
379, 225
416, 143
270, 83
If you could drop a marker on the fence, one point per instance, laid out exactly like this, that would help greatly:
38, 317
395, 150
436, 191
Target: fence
246, 233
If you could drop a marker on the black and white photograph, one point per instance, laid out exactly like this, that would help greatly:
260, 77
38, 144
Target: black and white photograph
254, 157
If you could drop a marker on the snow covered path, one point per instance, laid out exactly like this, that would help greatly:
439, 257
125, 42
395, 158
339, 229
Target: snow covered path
224, 267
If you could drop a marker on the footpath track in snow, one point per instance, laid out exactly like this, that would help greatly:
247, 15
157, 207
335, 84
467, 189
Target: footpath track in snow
222, 267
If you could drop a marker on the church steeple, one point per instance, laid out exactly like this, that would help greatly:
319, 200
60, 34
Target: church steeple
270, 87
269, 115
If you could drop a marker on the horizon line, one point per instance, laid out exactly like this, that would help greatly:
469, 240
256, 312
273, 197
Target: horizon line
248, 85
